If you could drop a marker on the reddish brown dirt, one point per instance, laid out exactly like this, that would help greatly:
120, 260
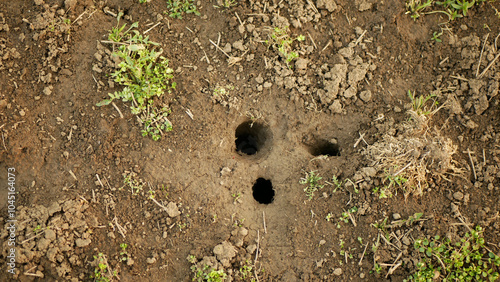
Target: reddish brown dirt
67, 151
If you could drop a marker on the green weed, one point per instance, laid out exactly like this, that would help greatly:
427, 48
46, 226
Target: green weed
466, 260
282, 41
227, 4
130, 180
124, 256
312, 181
418, 103
208, 274
346, 215
452, 8
436, 35
102, 270
143, 72
179, 7
155, 122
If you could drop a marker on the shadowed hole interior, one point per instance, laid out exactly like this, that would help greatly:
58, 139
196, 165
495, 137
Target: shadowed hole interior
323, 147
250, 138
263, 191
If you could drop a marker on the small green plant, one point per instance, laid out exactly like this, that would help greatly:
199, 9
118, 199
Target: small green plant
408, 222
415, 7
181, 226
394, 180
130, 180
227, 4
436, 36
222, 91
179, 7
312, 181
418, 103
282, 41
466, 260
37, 229
329, 216
452, 8
346, 215
382, 192
236, 197
102, 270
208, 274
337, 183
144, 1
124, 256
144, 73
246, 271
155, 122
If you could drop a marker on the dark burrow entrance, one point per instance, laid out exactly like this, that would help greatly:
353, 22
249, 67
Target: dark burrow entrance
250, 137
326, 148
263, 191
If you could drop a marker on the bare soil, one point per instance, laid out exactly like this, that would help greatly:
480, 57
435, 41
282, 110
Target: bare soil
346, 92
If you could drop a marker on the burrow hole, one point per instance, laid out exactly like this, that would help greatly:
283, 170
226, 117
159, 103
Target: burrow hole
326, 148
250, 137
263, 191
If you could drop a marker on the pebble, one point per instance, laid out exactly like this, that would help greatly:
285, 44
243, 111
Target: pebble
337, 271
396, 216
3, 103
362, 276
22, 113
406, 241
366, 96
458, 196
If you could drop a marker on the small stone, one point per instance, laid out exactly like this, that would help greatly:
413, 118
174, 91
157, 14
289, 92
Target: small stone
3, 104
396, 216
322, 242
259, 79
239, 45
151, 260
369, 171
225, 171
22, 113
406, 241
224, 251
458, 195
337, 271
350, 92
346, 52
267, 84
397, 109
362, 276
336, 107
251, 248
47, 91
82, 242
227, 48
301, 64
50, 234
172, 210
366, 95
330, 5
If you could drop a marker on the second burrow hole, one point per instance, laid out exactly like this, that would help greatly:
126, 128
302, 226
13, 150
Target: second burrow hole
251, 138
322, 147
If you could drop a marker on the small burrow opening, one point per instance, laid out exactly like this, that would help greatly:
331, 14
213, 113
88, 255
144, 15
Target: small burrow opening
250, 137
263, 191
326, 148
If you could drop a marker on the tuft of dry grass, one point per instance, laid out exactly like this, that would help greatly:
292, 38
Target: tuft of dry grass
417, 154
